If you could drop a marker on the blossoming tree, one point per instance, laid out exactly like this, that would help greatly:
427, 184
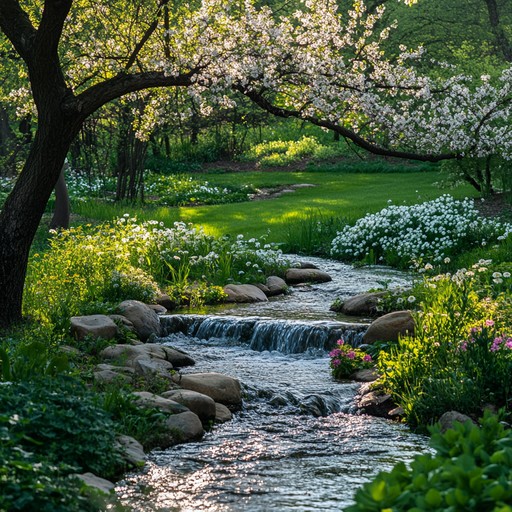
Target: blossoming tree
78, 55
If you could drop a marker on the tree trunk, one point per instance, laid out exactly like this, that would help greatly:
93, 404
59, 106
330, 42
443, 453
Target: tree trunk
19, 218
502, 42
62, 209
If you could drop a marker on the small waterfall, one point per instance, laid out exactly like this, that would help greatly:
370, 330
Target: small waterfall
261, 334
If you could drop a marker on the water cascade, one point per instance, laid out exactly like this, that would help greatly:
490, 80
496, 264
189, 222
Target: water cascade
297, 444
260, 334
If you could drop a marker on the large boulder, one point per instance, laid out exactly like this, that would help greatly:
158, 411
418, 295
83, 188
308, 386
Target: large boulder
242, 293
150, 401
97, 326
99, 484
200, 404
275, 286
149, 368
222, 413
145, 321
221, 388
131, 450
306, 275
107, 374
186, 426
166, 301
447, 420
364, 304
128, 354
389, 327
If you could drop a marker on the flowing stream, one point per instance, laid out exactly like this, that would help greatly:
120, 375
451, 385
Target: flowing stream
297, 444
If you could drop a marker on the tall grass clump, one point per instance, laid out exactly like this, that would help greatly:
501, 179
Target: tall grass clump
460, 357
311, 234
98, 266
431, 231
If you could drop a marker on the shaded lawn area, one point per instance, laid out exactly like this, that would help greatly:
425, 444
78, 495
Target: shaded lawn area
335, 195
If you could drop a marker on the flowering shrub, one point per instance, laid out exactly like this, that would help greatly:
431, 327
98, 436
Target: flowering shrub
178, 190
346, 360
429, 231
126, 260
461, 355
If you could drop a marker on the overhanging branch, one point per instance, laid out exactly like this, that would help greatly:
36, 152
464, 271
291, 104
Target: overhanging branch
357, 139
98, 95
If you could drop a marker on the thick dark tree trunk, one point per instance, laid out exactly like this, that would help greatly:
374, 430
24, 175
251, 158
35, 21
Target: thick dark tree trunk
23, 209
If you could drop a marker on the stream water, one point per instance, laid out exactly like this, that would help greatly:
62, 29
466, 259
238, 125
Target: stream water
297, 444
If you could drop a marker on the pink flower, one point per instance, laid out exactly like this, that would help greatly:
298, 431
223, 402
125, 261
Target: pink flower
340, 342
496, 344
508, 343
367, 358
489, 323
463, 346
351, 354
336, 362
335, 353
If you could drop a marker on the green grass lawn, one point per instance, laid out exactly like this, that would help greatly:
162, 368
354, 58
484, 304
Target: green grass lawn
350, 196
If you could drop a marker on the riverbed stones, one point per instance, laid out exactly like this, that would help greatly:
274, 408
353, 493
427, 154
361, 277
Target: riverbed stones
151, 401
222, 413
364, 304
221, 388
127, 354
145, 321
389, 327
166, 301
244, 293
108, 373
198, 403
275, 286
365, 375
186, 426
131, 450
96, 482
306, 275
447, 420
96, 326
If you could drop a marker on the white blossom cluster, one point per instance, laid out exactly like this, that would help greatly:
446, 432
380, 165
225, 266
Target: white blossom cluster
428, 231
317, 63
190, 249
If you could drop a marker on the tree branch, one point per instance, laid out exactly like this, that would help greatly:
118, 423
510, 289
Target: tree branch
50, 28
15, 24
145, 37
344, 132
98, 95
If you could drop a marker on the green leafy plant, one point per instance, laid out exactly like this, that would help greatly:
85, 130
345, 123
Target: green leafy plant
471, 471
58, 419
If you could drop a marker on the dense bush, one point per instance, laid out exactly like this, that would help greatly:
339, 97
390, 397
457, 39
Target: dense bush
471, 471
281, 152
431, 231
58, 418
